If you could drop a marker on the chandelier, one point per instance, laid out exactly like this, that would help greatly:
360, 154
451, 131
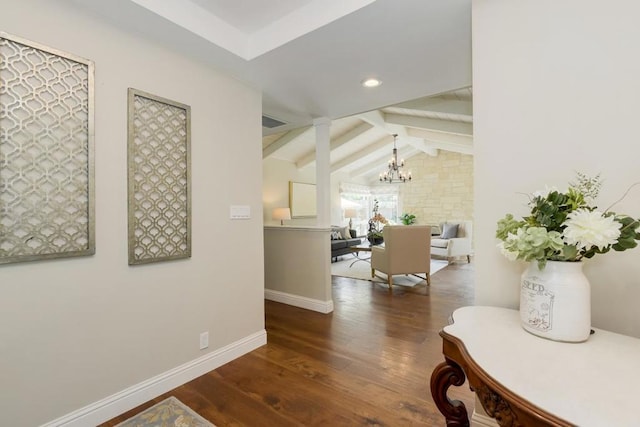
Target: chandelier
393, 172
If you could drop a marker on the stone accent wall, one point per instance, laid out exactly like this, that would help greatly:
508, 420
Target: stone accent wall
441, 187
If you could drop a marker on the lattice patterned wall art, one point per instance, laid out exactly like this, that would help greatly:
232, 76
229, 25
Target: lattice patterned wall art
159, 179
46, 152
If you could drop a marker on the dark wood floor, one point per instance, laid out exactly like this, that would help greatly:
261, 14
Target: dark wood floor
366, 364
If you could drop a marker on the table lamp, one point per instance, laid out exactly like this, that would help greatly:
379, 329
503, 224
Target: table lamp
350, 213
281, 214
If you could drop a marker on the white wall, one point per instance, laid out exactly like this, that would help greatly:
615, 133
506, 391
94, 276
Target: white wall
556, 91
276, 176
74, 331
297, 267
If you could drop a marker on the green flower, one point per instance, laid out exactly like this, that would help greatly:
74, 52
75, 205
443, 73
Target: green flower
534, 243
508, 225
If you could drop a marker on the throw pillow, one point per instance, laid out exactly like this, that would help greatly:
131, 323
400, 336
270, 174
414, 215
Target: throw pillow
449, 231
335, 235
344, 231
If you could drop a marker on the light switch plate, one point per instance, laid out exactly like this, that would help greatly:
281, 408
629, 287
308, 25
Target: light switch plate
240, 212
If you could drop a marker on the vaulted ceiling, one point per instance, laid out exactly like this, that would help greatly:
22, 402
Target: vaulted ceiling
361, 144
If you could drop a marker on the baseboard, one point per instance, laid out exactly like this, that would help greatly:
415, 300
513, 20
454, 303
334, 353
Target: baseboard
116, 404
298, 301
479, 420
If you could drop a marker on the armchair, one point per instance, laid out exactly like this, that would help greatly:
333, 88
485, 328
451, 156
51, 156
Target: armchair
459, 245
406, 251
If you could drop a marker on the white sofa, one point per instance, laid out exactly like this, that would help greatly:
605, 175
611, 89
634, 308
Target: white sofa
457, 246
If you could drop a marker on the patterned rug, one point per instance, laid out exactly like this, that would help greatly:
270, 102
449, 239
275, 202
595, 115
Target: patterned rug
168, 413
349, 266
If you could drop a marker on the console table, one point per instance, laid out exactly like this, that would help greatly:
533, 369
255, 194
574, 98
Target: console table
524, 380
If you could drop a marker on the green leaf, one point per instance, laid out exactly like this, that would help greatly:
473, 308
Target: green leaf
624, 244
569, 252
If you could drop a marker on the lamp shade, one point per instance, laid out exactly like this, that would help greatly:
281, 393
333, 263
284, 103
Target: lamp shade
350, 213
281, 214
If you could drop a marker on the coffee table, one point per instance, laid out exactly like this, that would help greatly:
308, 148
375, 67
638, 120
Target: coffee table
365, 247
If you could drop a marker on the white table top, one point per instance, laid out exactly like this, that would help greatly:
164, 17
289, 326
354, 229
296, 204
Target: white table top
594, 383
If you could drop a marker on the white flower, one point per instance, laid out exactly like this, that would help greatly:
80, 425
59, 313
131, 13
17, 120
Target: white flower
586, 229
547, 190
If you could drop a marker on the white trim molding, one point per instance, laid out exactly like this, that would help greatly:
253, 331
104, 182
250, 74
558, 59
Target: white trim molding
250, 43
479, 420
118, 403
310, 229
298, 301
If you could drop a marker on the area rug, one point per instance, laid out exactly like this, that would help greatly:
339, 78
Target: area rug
355, 268
168, 413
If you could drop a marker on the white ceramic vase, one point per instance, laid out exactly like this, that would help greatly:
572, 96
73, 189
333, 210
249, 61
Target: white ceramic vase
555, 302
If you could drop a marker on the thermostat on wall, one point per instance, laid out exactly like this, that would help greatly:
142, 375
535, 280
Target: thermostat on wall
240, 212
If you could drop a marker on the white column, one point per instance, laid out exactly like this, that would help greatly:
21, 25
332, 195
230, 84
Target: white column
323, 171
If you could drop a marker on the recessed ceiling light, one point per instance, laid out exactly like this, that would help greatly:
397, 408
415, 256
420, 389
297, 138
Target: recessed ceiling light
372, 82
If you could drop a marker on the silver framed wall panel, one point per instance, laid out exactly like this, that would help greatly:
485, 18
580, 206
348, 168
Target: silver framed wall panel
47, 207
159, 181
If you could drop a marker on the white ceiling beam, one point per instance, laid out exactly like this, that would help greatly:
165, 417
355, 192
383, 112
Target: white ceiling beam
335, 143
285, 139
350, 135
427, 123
378, 119
444, 141
438, 105
374, 118
375, 165
368, 169
307, 159
451, 147
421, 145
367, 151
430, 135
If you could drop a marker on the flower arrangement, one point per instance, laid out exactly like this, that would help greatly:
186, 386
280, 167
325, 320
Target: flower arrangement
566, 226
375, 227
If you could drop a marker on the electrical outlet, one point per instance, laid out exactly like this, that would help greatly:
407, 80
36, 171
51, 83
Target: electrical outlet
204, 340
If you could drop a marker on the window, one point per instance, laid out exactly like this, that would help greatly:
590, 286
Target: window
361, 198
359, 202
388, 206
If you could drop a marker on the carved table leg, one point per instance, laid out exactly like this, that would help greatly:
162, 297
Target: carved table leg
444, 376
496, 407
